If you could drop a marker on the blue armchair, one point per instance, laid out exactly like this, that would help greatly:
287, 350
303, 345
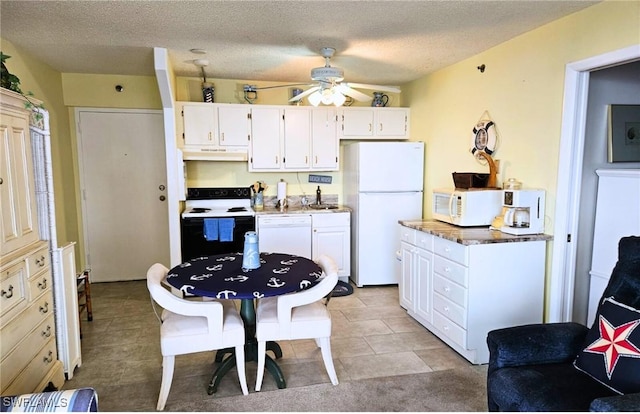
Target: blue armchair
531, 367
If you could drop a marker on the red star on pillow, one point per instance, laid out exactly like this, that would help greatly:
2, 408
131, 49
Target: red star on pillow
613, 343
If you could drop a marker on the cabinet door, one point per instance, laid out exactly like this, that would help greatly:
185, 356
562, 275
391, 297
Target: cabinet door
392, 122
233, 125
405, 285
266, 133
19, 225
297, 138
199, 121
422, 284
335, 243
357, 122
324, 139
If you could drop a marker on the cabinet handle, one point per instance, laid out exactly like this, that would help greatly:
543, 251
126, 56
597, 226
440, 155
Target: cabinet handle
447, 269
381, 126
41, 261
47, 332
1, 180
210, 136
44, 308
446, 309
222, 137
316, 160
447, 289
48, 358
306, 159
369, 127
7, 293
42, 285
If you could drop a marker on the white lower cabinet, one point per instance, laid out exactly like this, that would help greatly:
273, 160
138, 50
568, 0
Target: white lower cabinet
415, 278
331, 235
461, 292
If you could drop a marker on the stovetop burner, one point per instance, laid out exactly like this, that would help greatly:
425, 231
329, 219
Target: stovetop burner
199, 210
236, 209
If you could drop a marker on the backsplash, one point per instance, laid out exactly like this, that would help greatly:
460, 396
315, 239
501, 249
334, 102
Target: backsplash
296, 200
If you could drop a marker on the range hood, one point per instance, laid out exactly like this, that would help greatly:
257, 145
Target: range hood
215, 154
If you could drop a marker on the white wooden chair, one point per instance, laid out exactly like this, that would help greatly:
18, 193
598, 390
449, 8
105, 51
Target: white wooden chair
300, 315
193, 326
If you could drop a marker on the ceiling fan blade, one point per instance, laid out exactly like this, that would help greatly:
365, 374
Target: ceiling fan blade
357, 95
381, 88
304, 94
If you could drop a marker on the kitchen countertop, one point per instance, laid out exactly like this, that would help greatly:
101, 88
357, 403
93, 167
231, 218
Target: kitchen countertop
302, 210
469, 235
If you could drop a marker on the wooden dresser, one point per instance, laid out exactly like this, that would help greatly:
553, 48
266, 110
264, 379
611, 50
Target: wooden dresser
29, 357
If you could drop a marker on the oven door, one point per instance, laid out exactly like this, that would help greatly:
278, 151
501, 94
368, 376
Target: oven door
194, 244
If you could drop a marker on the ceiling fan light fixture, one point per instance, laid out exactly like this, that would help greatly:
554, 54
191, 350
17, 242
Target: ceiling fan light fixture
327, 73
315, 98
338, 98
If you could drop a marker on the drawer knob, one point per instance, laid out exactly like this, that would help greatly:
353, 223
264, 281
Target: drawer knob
446, 309
447, 289
447, 269
47, 332
41, 261
42, 285
446, 328
44, 308
48, 358
7, 293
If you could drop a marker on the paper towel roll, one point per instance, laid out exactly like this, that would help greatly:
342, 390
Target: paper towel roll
282, 190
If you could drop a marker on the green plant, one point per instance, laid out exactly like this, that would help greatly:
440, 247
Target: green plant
10, 81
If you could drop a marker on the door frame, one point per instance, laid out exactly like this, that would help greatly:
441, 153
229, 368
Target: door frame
574, 117
80, 163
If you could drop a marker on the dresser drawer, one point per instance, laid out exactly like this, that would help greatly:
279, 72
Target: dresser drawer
39, 284
31, 376
452, 291
38, 261
408, 235
424, 240
451, 270
450, 329
454, 312
450, 250
13, 362
13, 297
19, 327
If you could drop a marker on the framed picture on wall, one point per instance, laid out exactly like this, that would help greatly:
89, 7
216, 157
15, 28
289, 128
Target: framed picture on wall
624, 133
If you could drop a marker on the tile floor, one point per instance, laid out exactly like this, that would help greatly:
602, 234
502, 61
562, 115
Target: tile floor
372, 337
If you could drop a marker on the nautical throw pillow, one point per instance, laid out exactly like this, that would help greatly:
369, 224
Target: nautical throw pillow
611, 354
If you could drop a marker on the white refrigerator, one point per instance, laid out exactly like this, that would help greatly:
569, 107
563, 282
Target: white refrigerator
383, 183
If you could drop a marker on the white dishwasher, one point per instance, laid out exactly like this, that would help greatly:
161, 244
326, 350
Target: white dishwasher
285, 233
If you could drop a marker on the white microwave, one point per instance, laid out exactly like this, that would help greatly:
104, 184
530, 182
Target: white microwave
466, 207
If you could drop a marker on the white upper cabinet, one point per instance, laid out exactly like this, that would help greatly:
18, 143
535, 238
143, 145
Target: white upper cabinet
234, 125
297, 138
324, 139
205, 128
286, 138
266, 137
373, 123
199, 124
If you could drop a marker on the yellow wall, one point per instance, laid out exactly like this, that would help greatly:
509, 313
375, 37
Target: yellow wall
522, 89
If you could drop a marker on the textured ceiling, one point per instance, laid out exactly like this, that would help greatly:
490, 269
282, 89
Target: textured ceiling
380, 42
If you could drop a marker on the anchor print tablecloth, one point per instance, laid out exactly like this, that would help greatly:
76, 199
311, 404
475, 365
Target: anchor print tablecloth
222, 276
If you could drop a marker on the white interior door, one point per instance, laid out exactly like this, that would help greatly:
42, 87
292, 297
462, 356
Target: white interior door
123, 181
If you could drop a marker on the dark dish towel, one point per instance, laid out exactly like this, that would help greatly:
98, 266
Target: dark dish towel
211, 229
225, 228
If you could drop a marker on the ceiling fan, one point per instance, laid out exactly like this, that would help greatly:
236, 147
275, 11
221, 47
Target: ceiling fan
330, 89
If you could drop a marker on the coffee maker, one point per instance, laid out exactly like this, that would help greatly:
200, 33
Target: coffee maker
524, 211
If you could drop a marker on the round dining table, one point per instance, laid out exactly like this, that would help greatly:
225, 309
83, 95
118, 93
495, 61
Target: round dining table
223, 277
